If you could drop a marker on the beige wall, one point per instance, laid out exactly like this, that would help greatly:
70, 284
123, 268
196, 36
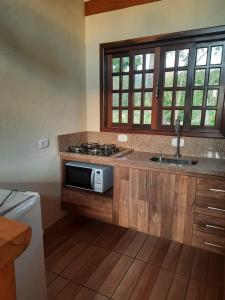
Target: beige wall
42, 92
144, 20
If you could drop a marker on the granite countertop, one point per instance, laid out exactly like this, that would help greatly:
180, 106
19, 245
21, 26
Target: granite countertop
206, 166
128, 157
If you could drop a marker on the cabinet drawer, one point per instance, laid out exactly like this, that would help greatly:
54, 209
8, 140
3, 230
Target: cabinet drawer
208, 241
209, 225
210, 206
211, 188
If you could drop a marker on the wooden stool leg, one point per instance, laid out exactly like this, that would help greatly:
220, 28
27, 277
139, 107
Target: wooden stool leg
8, 282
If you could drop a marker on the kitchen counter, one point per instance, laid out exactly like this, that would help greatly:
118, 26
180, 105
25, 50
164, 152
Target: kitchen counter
206, 166
128, 157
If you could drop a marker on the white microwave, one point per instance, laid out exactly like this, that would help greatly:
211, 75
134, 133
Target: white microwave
96, 178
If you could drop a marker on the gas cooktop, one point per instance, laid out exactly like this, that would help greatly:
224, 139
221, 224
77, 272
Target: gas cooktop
95, 149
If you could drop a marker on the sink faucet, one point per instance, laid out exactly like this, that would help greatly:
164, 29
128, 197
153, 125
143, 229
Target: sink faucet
178, 131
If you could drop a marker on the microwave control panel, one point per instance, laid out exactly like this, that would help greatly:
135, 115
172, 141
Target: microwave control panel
98, 180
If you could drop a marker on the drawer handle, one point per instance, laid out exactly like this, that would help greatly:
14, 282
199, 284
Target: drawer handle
216, 208
211, 244
217, 190
214, 227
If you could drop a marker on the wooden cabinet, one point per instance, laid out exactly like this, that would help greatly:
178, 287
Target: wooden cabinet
89, 204
154, 202
209, 215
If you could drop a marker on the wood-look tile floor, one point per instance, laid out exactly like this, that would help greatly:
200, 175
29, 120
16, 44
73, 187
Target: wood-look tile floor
87, 259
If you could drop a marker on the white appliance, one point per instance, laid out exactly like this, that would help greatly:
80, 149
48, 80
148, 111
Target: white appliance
29, 267
96, 178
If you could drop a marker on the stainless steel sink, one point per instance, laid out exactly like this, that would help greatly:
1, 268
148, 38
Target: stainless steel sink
177, 161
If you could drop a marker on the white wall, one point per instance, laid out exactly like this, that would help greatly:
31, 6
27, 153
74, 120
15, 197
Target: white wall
155, 18
42, 92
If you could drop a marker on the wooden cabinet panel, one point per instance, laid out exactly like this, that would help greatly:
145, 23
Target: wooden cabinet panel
153, 202
184, 197
89, 204
161, 205
211, 188
208, 241
140, 190
210, 206
208, 224
174, 199
132, 192
121, 195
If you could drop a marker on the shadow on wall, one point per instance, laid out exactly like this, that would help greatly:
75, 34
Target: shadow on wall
39, 40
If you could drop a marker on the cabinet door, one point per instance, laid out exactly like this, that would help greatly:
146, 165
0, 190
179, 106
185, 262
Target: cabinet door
183, 213
171, 208
132, 194
162, 205
154, 202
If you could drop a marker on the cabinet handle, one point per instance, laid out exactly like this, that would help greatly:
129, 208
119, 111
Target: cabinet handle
214, 227
211, 244
217, 190
215, 208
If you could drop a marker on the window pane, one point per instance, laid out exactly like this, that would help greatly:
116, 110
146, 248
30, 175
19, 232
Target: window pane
200, 77
116, 82
124, 99
166, 118
201, 56
212, 97
138, 81
116, 97
125, 82
198, 98
147, 117
170, 59
167, 98
180, 98
196, 117
210, 117
126, 62
183, 58
179, 114
169, 79
136, 117
149, 80
124, 116
137, 99
150, 61
115, 116
116, 65
214, 76
148, 99
138, 62
181, 78
216, 55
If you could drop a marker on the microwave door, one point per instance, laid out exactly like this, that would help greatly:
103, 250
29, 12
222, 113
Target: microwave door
79, 177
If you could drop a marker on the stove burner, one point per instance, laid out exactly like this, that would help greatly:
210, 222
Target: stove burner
94, 149
89, 145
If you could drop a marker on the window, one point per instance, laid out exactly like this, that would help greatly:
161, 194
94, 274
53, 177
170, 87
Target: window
146, 84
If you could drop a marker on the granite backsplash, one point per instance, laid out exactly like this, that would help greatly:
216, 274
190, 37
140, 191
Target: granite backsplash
193, 146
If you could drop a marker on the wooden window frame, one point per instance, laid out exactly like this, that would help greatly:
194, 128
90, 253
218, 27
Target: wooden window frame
205, 35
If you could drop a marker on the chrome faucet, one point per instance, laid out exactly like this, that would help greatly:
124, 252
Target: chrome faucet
178, 132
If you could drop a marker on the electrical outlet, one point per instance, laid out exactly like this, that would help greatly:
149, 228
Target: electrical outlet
122, 138
174, 142
43, 143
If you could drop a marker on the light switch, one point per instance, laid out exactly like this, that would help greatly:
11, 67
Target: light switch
43, 143
122, 138
174, 142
